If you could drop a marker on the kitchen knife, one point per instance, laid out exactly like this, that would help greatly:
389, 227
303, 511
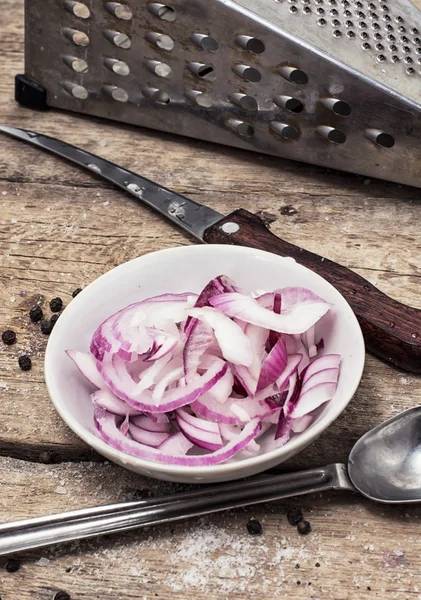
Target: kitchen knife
392, 330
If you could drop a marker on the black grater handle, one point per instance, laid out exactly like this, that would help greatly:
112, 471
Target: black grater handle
392, 331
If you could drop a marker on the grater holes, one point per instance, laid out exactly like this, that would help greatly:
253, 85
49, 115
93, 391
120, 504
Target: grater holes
306, 10
391, 38
347, 14
410, 70
156, 95
375, 26
293, 9
362, 25
78, 9
414, 31
395, 58
366, 46
200, 98
285, 131
116, 93
159, 68
377, 36
117, 66
404, 39
379, 47
406, 49
79, 38
350, 34
76, 64
337, 33
349, 24
381, 58
393, 48
320, 11
336, 136
289, 103
77, 91
247, 73
161, 40
322, 22
242, 128
294, 75
251, 44
408, 60
334, 12
162, 11
202, 70
385, 140
205, 42
243, 101
336, 23
364, 35
121, 40
338, 107
121, 11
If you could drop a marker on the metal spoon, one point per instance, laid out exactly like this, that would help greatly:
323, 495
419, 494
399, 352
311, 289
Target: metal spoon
384, 465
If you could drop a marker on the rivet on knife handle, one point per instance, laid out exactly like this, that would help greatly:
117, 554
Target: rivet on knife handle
392, 330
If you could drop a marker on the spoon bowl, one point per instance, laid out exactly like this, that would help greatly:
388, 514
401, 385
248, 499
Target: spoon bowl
385, 463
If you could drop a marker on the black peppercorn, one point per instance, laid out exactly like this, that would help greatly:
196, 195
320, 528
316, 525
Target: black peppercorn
303, 527
12, 565
56, 304
61, 596
36, 314
25, 362
294, 516
76, 292
254, 527
46, 327
54, 319
8, 337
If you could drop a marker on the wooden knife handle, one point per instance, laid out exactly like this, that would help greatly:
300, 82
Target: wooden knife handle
392, 331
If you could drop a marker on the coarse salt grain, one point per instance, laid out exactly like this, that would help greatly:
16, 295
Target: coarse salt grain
43, 562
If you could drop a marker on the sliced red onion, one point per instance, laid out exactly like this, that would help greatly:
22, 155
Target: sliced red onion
248, 376
324, 376
117, 378
301, 424
209, 408
149, 438
86, 364
223, 388
313, 398
273, 366
176, 445
145, 422
234, 344
109, 401
106, 424
199, 339
301, 309
220, 372
199, 432
172, 376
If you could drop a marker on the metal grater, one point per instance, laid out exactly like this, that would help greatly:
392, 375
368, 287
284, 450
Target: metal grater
335, 83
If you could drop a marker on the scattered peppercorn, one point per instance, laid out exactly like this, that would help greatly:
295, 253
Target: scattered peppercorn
76, 292
298, 582
46, 327
56, 305
12, 565
294, 516
54, 319
297, 566
8, 337
317, 564
61, 596
369, 588
303, 527
25, 362
254, 527
36, 314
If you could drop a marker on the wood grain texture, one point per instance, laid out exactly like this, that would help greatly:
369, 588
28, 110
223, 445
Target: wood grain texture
61, 228
392, 330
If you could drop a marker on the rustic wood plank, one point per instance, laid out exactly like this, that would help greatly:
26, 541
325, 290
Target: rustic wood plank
356, 550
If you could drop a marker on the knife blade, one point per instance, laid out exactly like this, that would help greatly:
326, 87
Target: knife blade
392, 330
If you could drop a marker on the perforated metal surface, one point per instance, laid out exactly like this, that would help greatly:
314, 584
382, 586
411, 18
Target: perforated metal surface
330, 82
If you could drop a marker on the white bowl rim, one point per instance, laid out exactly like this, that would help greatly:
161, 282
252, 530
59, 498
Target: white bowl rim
293, 446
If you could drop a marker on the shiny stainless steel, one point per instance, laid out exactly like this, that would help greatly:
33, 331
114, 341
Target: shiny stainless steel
92, 522
187, 214
384, 465
365, 53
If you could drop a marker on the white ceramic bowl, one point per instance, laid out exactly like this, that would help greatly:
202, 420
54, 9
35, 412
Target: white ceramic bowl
183, 269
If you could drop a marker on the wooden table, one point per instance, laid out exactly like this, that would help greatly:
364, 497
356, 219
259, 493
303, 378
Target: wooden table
60, 228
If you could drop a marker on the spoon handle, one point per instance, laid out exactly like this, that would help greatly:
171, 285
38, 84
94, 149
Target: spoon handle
93, 522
